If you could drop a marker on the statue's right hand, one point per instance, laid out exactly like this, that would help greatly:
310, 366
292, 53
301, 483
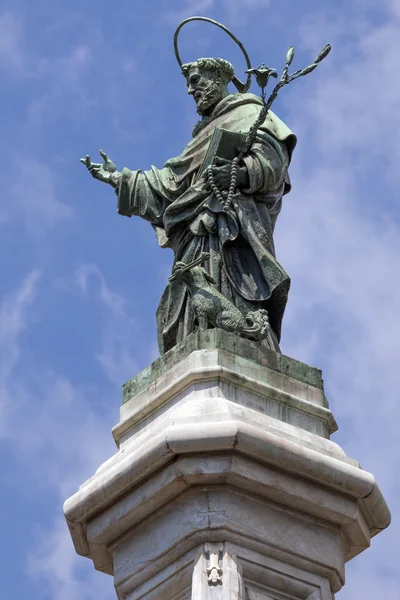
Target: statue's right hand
102, 172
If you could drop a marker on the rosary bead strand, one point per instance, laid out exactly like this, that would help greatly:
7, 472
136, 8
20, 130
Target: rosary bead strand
225, 202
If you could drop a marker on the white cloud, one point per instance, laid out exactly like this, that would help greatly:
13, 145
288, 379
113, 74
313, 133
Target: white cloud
61, 76
54, 565
118, 332
189, 8
231, 11
356, 96
14, 319
70, 437
30, 189
64, 426
60, 427
112, 300
15, 54
60, 432
393, 6
66, 439
31, 196
56, 75
367, 585
343, 252
241, 11
11, 41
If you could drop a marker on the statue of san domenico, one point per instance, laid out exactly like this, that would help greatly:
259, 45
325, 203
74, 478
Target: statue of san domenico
189, 218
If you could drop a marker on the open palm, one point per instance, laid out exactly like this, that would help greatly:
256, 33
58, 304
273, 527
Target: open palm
99, 171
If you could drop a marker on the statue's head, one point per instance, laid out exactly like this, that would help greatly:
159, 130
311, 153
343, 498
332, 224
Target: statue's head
207, 81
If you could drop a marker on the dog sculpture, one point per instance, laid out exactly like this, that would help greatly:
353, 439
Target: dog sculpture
212, 308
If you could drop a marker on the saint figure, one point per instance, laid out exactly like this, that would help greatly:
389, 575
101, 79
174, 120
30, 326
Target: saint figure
188, 217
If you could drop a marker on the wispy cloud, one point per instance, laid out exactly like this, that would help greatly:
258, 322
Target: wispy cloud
11, 41
54, 566
232, 10
62, 76
65, 430
357, 96
56, 76
188, 8
67, 439
32, 197
394, 7
14, 320
118, 347
344, 252
333, 237
52, 406
241, 11
70, 437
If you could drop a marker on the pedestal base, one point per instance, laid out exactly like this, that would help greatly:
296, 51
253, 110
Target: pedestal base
226, 484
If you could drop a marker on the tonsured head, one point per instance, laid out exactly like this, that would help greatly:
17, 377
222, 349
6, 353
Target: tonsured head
207, 81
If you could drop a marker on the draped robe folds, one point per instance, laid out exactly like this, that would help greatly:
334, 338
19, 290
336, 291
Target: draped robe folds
188, 218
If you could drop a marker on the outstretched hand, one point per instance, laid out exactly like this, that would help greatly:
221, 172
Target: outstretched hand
102, 172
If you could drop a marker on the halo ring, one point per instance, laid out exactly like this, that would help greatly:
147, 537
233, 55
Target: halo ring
246, 86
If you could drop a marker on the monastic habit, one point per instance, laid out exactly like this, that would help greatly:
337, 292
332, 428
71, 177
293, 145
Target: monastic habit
189, 219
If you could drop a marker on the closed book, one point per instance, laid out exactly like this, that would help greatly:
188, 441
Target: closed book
224, 144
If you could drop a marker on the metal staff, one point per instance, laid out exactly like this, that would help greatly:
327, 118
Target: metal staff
262, 75
197, 261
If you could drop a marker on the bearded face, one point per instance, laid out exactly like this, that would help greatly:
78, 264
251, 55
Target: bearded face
205, 87
207, 97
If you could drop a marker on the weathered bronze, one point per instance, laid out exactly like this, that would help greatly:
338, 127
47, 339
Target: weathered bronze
212, 308
216, 205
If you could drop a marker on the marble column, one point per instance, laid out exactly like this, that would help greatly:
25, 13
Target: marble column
226, 484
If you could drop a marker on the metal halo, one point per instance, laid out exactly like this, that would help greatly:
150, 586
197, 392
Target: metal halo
245, 86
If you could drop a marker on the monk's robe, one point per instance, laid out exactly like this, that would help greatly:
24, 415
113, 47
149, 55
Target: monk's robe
189, 219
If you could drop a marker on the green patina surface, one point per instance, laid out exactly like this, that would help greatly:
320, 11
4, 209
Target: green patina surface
215, 205
218, 339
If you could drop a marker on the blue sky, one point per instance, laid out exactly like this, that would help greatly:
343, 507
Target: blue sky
80, 284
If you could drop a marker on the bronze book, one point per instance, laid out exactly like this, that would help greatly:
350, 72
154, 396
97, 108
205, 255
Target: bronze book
224, 144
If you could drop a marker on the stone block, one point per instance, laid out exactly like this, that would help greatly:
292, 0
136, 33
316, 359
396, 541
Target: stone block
225, 484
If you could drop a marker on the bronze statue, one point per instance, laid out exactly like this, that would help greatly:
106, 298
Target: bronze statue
220, 196
212, 308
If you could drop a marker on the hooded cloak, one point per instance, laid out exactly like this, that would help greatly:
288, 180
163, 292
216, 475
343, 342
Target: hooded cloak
188, 218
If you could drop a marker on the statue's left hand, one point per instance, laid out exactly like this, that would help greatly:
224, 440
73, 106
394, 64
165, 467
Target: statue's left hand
222, 174
106, 172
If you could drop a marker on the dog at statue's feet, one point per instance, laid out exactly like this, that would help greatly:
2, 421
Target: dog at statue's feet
212, 308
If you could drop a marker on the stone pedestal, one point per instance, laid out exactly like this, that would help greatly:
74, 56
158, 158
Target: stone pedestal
226, 484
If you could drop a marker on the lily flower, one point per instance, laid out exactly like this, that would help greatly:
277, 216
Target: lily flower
262, 74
